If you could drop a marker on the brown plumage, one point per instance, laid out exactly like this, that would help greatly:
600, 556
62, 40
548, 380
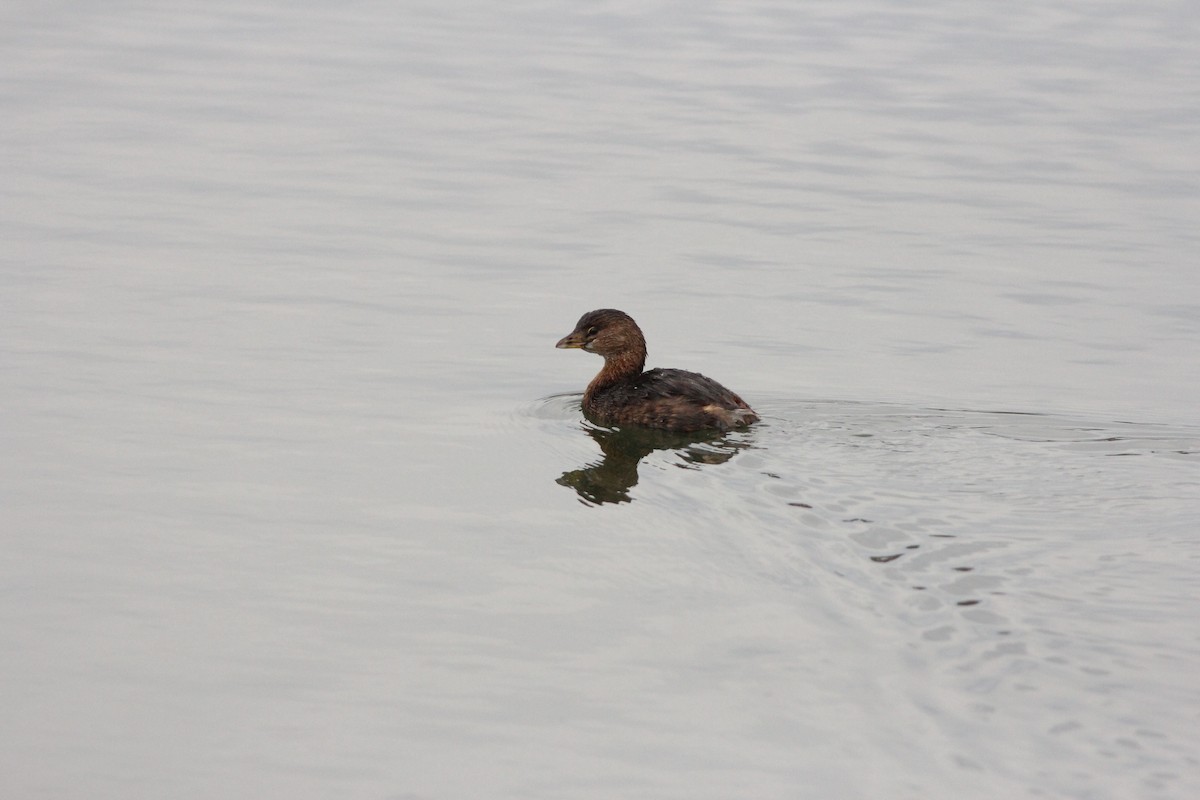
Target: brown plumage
668, 399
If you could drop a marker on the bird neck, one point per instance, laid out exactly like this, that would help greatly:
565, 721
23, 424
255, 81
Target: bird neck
617, 368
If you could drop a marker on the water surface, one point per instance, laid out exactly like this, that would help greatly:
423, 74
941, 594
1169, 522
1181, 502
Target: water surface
295, 494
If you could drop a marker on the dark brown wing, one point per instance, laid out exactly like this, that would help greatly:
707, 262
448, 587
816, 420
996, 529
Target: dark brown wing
672, 399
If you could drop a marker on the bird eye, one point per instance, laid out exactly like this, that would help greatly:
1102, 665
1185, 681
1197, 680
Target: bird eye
591, 331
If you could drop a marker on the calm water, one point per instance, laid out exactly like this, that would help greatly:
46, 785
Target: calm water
295, 494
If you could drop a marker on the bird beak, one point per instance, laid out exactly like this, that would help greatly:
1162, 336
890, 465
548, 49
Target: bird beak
572, 341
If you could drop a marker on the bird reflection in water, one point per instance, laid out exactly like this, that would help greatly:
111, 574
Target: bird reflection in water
610, 479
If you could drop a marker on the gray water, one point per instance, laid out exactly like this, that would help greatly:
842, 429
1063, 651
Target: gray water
296, 498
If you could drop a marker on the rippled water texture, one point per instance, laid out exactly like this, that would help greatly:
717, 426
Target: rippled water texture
295, 494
